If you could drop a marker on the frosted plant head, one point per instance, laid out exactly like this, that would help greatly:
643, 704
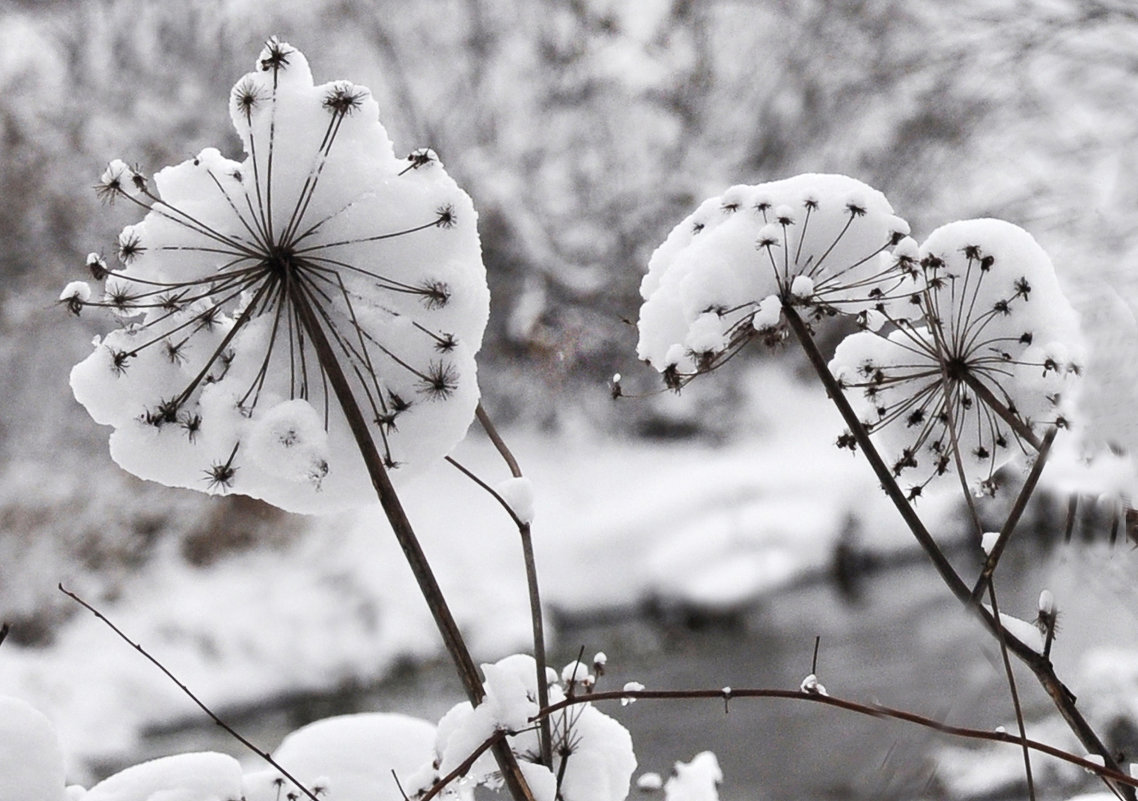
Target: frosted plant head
823, 243
212, 379
993, 362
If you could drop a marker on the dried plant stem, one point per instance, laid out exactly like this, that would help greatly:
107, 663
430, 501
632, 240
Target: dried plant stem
1009, 525
536, 617
861, 436
1000, 408
190, 694
495, 739
1039, 664
1014, 515
1109, 773
404, 533
1002, 637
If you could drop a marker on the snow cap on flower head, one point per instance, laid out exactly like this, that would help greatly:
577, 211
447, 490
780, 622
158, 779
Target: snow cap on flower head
820, 242
993, 363
212, 381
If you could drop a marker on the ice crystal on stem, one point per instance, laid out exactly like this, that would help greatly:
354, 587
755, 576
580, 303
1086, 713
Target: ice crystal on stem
991, 364
213, 381
823, 243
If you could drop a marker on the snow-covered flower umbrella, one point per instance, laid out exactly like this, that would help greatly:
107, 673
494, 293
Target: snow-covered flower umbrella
992, 363
257, 300
822, 243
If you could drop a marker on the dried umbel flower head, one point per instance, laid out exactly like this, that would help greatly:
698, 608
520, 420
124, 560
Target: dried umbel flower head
822, 243
993, 362
214, 379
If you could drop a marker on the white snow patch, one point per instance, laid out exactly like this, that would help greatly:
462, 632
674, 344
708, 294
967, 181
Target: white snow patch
31, 762
697, 780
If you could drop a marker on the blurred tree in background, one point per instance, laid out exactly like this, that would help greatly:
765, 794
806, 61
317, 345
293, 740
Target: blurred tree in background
582, 129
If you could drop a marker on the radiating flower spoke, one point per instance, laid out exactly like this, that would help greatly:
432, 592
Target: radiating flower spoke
993, 361
823, 243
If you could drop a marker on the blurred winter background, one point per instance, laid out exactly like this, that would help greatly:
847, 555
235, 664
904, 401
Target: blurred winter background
701, 540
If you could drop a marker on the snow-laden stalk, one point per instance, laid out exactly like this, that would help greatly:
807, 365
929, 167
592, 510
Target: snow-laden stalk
404, 533
1039, 664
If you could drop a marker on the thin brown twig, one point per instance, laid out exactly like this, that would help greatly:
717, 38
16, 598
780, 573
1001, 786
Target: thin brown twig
496, 438
1002, 637
495, 739
493, 493
872, 710
533, 588
1016, 513
190, 694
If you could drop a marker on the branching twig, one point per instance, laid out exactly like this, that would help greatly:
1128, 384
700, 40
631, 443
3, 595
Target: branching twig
190, 694
1039, 664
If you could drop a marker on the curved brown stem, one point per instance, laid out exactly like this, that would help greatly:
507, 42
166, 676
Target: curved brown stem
1112, 774
536, 617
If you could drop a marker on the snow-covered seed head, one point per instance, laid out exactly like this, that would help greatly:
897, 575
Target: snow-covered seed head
576, 674
811, 686
75, 296
819, 242
1048, 618
212, 379
994, 360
